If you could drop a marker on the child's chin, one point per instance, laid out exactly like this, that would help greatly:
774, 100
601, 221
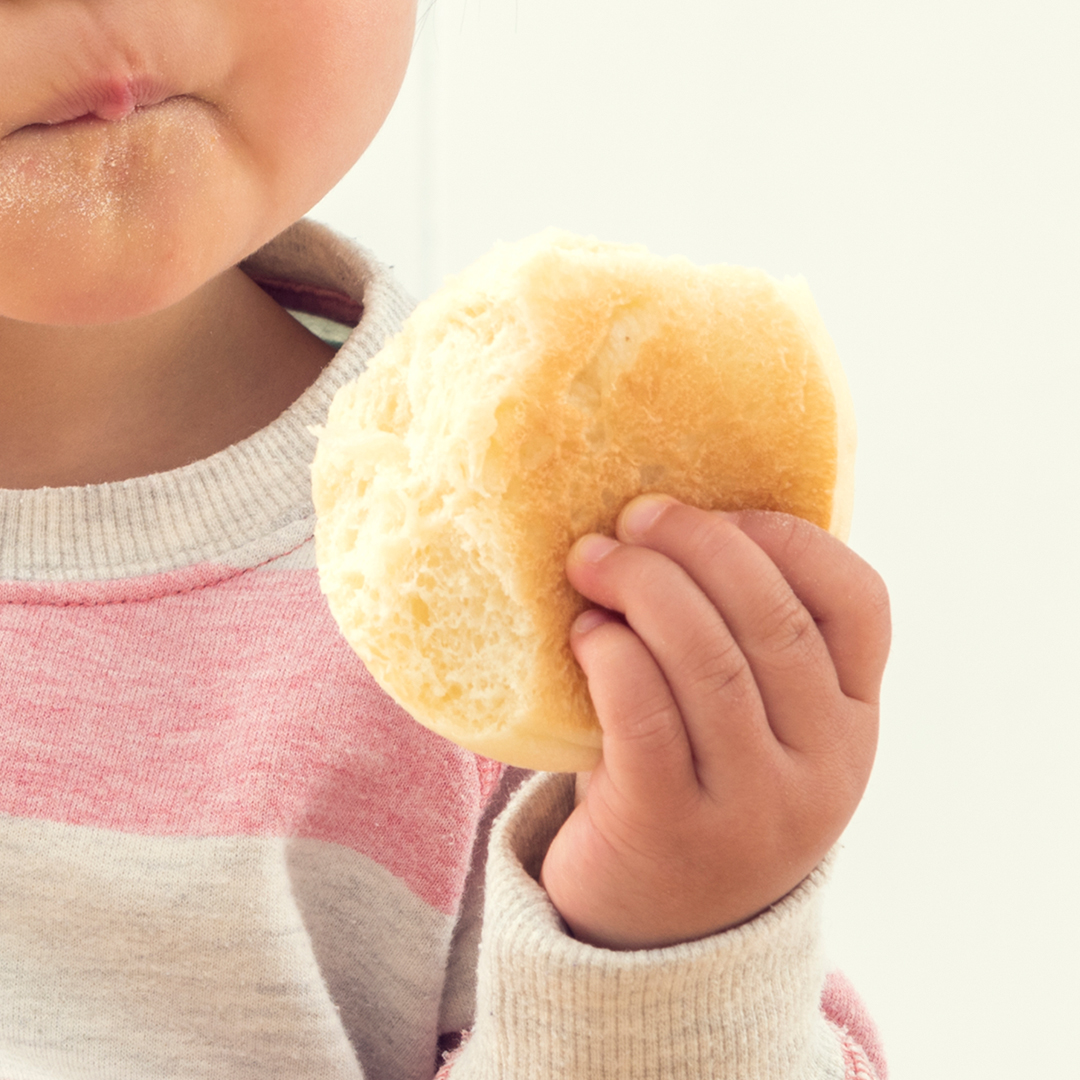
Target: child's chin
63, 302
103, 223
80, 284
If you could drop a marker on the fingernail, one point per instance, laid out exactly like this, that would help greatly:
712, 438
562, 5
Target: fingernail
642, 512
593, 548
590, 620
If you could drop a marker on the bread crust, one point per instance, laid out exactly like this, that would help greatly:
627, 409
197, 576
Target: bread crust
524, 405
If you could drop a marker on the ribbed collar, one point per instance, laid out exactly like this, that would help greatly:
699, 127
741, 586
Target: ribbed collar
236, 506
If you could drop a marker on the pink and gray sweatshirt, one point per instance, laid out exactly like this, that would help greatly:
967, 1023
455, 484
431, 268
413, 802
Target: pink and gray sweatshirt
225, 853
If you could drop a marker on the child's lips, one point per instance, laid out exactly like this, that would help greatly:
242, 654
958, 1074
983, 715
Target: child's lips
105, 99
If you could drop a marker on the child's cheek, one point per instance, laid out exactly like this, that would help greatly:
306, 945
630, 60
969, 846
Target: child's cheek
101, 221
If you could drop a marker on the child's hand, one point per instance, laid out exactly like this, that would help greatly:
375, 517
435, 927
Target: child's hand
739, 707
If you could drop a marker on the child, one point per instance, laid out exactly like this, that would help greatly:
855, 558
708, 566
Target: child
223, 851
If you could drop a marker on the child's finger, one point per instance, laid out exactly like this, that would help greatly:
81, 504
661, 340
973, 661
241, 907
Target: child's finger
786, 655
646, 751
709, 679
846, 597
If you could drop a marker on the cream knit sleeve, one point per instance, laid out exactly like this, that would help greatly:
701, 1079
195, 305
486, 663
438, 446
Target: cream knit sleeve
743, 1005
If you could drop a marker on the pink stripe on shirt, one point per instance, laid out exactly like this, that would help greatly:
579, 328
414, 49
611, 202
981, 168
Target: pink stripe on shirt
100, 730
864, 1056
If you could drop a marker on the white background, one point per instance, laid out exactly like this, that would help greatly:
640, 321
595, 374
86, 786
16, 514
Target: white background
918, 162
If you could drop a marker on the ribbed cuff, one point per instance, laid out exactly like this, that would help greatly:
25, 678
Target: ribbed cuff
743, 1004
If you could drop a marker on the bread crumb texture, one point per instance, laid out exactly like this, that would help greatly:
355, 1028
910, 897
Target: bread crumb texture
523, 405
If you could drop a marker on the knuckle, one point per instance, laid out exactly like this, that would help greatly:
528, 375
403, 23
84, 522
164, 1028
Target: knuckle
786, 625
720, 671
707, 537
791, 537
651, 722
799, 537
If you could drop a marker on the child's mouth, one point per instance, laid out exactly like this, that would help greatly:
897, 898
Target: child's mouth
110, 99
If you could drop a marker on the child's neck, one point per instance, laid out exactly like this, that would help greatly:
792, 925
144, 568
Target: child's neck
87, 405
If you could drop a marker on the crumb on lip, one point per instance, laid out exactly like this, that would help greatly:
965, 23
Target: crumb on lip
111, 98
96, 116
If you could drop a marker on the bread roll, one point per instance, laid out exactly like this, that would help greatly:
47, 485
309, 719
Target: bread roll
523, 405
